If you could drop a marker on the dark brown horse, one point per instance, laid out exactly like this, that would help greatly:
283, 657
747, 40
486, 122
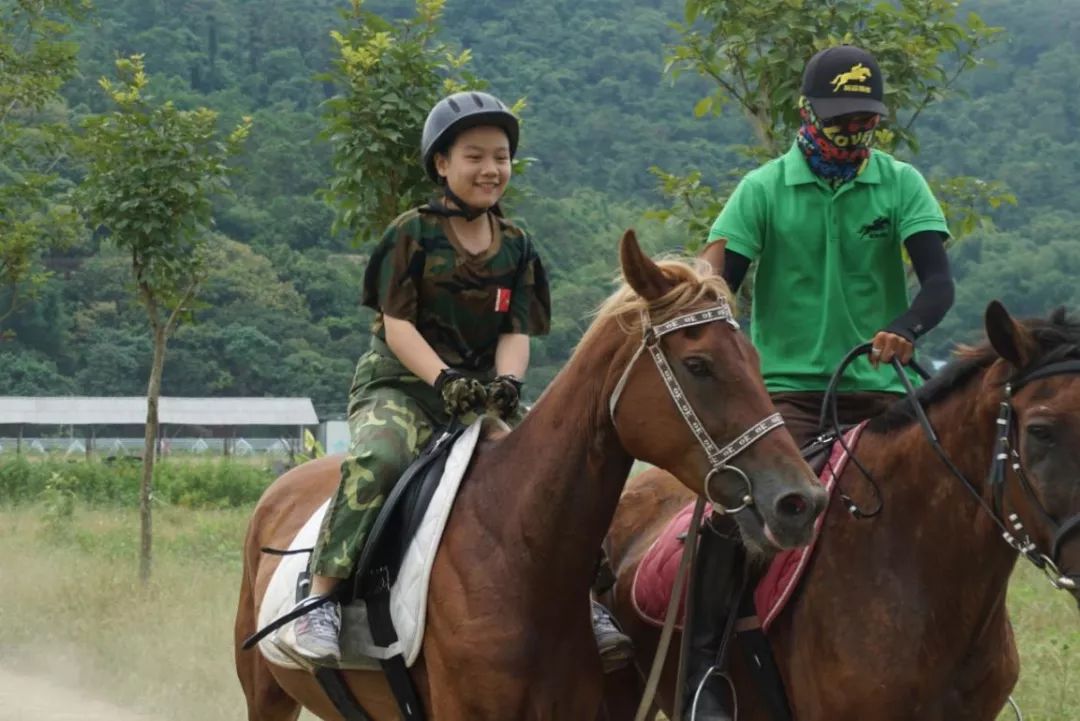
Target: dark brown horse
902, 616
508, 634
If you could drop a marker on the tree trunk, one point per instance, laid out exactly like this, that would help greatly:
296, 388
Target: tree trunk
153, 392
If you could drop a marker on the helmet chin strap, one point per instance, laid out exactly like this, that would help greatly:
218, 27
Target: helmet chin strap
463, 209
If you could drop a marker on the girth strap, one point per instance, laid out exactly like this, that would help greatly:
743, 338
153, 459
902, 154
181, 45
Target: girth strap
397, 674
333, 684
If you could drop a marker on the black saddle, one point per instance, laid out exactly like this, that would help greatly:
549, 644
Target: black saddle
380, 562
375, 572
816, 452
399, 519
395, 526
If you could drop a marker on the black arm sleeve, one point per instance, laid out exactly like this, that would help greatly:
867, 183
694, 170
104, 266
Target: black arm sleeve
735, 267
936, 290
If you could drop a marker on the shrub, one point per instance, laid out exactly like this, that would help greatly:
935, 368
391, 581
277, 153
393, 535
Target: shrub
192, 484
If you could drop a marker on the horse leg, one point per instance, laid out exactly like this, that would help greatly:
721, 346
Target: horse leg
486, 672
523, 693
983, 688
266, 700
622, 694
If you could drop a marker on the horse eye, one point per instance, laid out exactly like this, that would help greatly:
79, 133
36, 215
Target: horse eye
1041, 432
698, 367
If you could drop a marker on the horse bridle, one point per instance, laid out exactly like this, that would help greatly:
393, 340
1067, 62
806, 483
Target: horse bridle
1005, 449
718, 457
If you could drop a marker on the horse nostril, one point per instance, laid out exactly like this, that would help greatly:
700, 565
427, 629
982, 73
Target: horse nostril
793, 505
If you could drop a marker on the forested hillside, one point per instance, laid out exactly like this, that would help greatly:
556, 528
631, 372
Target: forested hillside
280, 315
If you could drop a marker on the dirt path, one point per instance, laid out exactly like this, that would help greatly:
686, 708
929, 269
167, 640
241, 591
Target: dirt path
34, 698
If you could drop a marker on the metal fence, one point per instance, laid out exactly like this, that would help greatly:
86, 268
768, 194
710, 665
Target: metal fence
106, 446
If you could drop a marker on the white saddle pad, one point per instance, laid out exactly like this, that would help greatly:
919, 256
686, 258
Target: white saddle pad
408, 595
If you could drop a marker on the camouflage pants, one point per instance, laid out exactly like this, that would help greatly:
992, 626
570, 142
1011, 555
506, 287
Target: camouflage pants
392, 414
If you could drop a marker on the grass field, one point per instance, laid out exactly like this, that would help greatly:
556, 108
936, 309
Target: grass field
70, 609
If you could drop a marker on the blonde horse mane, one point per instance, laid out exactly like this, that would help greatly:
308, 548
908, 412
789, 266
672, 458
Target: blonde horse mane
694, 281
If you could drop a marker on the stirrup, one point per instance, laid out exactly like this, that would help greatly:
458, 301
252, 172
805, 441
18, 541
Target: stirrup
714, 670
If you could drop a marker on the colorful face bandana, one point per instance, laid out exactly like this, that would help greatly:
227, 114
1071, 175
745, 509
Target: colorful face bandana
838, 151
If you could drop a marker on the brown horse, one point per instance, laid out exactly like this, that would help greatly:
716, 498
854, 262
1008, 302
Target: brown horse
508, 633
902, 616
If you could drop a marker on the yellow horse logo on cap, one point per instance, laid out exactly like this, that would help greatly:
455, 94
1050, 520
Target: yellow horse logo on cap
858, 73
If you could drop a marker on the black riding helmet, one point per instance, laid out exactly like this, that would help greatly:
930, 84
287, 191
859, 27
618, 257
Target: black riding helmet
459, 112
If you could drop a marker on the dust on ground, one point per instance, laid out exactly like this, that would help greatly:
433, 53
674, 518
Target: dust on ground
25, 697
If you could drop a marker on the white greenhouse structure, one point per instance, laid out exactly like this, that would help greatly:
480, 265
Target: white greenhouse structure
115, 425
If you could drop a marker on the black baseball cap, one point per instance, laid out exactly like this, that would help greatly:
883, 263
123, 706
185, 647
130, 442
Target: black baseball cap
843, 79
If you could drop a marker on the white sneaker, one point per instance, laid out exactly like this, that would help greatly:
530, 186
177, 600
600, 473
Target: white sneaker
317, 633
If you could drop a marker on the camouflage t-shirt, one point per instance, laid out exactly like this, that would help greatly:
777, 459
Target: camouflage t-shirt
460, 302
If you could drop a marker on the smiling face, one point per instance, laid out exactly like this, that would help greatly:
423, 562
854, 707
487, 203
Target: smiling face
476, 167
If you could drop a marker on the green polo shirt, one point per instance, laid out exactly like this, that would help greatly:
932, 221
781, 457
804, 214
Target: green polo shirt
830, 270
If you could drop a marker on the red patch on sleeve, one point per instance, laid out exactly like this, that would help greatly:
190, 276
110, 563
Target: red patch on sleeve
502, 300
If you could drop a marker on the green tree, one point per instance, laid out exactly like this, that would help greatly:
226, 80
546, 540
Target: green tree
36, 59
152, 171
29, 374
114, 361
389, 75
1031, 272
753, 54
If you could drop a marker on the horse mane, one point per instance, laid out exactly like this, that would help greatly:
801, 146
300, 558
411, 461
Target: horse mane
1057, 338
694, 282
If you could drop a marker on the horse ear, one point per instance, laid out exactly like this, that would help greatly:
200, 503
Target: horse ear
713, 254
642, 274
1009, 339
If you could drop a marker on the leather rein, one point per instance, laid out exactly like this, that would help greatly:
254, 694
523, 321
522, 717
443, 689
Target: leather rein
1006, 449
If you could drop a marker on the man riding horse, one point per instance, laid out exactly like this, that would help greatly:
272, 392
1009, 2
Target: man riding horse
827, 223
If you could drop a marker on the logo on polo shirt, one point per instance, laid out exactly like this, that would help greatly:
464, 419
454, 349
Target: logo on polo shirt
858, 74
876, 230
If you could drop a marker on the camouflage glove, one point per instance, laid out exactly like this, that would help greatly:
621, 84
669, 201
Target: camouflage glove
460, 394
503, 395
